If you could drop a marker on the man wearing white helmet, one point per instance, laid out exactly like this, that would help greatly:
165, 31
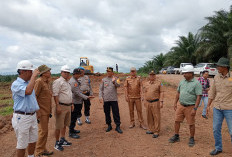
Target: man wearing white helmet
63, 99
189, 94
24, 119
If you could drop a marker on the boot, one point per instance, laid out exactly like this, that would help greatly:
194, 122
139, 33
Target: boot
109, 128
118, 129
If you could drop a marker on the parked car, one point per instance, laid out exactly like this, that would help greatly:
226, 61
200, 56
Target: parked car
163, 71
211, 67
182, 65
170, 70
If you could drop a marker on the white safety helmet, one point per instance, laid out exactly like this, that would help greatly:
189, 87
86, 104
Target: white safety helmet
188, 69
25, 65
65, 68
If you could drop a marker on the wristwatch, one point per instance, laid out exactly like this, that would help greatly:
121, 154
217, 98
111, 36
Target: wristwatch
195, 108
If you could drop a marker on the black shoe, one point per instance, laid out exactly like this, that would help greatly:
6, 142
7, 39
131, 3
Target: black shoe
191, 142
155, 135
204, 116
118, 129
64, 142
58, 146
215, 152
109, 128
76, 131
174, 139
73, 135
149, 132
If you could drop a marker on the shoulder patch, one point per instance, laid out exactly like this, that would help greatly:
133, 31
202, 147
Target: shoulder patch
118, 81
230, 79
75, 85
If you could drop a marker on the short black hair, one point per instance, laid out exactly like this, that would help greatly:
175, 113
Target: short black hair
205, 71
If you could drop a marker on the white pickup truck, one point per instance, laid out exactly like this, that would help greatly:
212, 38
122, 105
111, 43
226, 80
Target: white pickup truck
182, 65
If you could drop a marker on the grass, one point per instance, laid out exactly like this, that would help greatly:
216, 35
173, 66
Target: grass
6, 111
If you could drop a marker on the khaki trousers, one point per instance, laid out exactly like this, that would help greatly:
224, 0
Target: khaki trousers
153, 117
137, 103
42, 134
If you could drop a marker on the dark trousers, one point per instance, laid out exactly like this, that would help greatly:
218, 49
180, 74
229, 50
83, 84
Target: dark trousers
114, 105
74, 117
87, 105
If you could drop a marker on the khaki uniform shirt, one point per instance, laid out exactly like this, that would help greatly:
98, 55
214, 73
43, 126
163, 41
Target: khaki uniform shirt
77, 94
152, 90
133, 86
85, 84
189, 90
221, 92
43, 94
108, 89
62, 89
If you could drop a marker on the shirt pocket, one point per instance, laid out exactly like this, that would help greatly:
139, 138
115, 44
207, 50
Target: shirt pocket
229, 83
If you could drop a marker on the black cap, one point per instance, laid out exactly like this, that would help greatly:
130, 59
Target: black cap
109, 69
76, 71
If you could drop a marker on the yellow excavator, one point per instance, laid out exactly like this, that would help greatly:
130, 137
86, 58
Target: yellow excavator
84, 62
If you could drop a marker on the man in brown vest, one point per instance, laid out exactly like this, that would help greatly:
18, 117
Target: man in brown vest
133, 86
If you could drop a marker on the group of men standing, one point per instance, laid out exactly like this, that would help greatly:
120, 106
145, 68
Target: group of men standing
33, 104
33, 100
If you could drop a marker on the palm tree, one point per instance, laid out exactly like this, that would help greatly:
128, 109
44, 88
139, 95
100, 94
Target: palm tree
184, 51
216, 35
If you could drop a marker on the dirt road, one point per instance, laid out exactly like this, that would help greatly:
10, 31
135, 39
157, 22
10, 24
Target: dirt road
95, 142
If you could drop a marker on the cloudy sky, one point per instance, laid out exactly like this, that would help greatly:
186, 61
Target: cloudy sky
126, 32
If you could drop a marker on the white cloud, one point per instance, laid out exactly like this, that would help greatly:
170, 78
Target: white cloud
128, 33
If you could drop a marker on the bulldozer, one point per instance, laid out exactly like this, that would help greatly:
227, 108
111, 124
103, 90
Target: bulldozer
84, 62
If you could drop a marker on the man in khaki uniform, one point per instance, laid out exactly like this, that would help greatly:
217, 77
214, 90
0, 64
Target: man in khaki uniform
108, 94
221, 94
133, 86
62, 93
153, 97
43, 94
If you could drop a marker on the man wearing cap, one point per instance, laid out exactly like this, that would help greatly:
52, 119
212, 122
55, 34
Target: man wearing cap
189, 94
43, 94
153, 97
133, 87
62, 93
24, 119
77, 100
86, 89
221, 94
108, 95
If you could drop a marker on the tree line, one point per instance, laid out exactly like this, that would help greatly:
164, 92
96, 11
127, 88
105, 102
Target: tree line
211, 42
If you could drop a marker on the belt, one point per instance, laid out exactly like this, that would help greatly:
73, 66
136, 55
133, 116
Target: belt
85, 92
25, 113
65, 104
187, 105
150, 101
